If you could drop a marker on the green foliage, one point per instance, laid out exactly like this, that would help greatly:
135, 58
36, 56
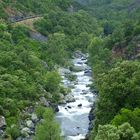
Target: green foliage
100, 57
75, 27
52, 82
48, 129
123, 132
56, 48
107, 132
13, 131
126, 115
118, 88
40, 111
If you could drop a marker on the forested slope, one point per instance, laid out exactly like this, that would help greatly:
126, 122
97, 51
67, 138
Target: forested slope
108, 29
115, 60
29, 78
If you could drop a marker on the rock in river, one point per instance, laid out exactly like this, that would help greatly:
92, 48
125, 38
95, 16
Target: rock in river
25, 131
69, 98
80, 105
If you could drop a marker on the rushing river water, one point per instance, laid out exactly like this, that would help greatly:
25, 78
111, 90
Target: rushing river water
73, 116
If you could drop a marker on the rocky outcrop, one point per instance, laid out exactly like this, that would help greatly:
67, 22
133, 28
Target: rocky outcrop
37, 36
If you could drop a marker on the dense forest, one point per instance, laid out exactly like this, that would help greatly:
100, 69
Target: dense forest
109, 30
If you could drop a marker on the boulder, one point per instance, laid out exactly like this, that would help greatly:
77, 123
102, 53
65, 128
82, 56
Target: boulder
25, 131
2, 122
91, 115
80, 63
1, 132
19, 138
90, 126
78, 68
61, 96
30, 124
83, 58
44, 101
88, 73
56, 109
34, 117
80, 105
37, 36
79, 54
64, 71
69, 107
69, 98
84, 92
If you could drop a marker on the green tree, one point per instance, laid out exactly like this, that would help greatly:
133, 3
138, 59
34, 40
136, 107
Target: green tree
126, 115
118, 88
123, 132
48, 129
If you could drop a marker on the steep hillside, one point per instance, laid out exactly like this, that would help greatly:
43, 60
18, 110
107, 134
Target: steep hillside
29, 61
39, 36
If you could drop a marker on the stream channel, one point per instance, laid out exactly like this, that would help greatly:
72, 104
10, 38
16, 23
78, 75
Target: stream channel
73, 114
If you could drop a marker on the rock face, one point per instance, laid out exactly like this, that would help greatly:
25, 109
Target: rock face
37, 36
2, 122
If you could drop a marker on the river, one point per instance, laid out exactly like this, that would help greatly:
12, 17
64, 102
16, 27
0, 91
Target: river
73, 116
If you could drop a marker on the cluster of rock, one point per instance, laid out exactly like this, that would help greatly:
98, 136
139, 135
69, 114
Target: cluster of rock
27, 126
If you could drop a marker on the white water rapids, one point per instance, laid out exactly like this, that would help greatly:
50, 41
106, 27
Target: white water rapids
73, 116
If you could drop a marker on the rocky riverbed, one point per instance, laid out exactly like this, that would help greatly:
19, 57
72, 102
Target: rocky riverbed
74, 114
